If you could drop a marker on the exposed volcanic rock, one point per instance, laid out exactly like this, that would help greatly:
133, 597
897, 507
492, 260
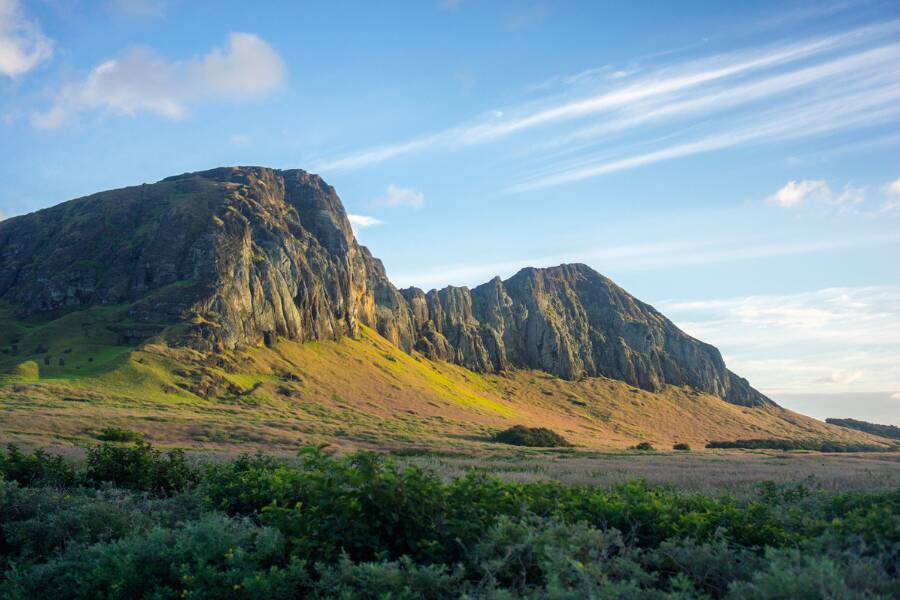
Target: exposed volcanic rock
572, 322
240, 256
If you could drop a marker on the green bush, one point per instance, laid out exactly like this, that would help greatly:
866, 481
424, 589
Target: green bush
643, 446
139, 467
817, 446
536, 437
116, 434
37, 467
361, 526
682, 446
888, 431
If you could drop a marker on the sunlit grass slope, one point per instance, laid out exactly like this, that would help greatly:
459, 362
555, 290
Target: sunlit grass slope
64, 379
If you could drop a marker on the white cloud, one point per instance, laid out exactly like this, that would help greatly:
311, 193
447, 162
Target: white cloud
821, 341
892, 191
844, 377
358, 222
400, 196
796, 193
850, 199
22, 43
895, 396
240, 140
140, 81
893, 188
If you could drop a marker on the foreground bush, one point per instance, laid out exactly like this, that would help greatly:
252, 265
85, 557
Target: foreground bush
139, 467
535, 437
361, 526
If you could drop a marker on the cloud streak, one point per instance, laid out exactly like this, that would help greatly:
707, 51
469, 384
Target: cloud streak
246, 68
749, 96
630, 258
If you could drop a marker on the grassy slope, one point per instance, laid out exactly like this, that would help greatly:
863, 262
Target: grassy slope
362, 392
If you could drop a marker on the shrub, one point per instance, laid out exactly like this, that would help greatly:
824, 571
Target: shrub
116, 434
27, 370
361, 526
38, 467
537, 437
215, 557
682, 446
643, 446
888, 431
139, 467
780, 444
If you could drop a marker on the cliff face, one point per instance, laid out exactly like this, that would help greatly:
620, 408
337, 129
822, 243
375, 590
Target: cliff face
240, 256
572, 322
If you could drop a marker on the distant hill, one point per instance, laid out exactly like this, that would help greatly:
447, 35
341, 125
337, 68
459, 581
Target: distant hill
167, 293
885, 431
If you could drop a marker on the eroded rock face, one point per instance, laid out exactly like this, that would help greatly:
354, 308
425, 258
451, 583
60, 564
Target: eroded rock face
241, 256
572, 322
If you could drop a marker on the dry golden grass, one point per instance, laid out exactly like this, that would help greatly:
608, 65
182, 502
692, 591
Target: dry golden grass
733, 472
365, 393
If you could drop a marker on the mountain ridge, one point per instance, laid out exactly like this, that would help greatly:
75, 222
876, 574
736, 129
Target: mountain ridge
237, 257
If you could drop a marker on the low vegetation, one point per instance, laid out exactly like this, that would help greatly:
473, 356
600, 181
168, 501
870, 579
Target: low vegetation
132, 522
117, 434
535, 437
682, 446
814, 445
643, 446
887, 431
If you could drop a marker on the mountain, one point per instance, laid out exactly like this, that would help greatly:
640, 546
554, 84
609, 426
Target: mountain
207, 268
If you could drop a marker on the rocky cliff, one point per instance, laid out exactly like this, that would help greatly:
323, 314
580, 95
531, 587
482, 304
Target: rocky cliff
241, 256
573, 322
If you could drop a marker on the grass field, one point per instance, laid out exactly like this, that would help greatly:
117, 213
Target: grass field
66, 377
736, 472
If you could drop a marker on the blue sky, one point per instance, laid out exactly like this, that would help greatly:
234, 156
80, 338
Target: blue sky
736, 164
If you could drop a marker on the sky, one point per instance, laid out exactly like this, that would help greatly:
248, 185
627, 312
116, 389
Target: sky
735, 164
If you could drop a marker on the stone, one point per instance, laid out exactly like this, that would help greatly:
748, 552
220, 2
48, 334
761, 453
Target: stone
240, 257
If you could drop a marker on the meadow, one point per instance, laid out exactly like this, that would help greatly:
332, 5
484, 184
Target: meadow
129, 521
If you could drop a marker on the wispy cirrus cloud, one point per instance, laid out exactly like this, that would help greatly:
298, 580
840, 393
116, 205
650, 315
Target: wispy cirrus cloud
23, 44
246, 68
629, 258
756, 95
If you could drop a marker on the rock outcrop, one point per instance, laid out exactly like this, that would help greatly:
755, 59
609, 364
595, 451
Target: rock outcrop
238, 256
573, 322
241, 256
